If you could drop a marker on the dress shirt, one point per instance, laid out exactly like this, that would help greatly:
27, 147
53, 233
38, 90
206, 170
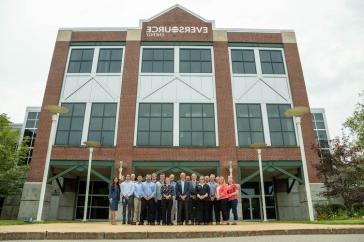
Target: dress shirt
127, 188
158, 194
138, 189
213, 186
149, 189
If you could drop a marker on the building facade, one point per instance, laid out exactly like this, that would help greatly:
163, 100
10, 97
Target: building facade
321, 128
174, 94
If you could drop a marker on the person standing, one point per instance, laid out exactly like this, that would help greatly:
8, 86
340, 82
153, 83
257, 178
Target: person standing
148, 200
182, 195
127, 195
174, 205
114, 198
167, 191
213, 205
202, 194
158, 198
192, 201
222, 196
138, 195
233, 191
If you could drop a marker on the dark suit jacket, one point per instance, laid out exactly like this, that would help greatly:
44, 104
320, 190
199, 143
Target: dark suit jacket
186, 191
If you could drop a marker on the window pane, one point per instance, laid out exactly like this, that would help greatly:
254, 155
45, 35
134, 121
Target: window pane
77, 124
185, 124
167, 138
272, 111
275, 124
184, 54
115, 66
157, 66
64, 123
206, 67
158, 54
155, 138
249, 68
147, 54
242, 110
142, 138
238, 67
76, 54
195, 67
110, 109
208, 110
289, 138
109, 124
257, 137
95, 123
79, 109
147, 66
30, 124
88, 55
184, 67
243, 124
155, 124
208, 124
116, 54
167, 124
167, 110
155, 110
94, 136
143, 124
144, 109
75, 138
209, 138
236, 55
264, 55
196, 110
276, 138
248, 55
267, 68
278, 68
244, 138
282, 109
276, 56
318, 116
195, 54
185, 110
197, 138
320, 125
322, 135
256, 124
254, 110
185, 138
103, 67
32, 115
206, 55
62, 138
108, 138
168, 66
74, 67
168, 54
197, 124
85, 67
287, 124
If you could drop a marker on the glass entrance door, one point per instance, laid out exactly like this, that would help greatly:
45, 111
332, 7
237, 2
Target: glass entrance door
251, 208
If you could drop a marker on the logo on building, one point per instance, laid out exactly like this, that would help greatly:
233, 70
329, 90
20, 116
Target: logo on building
160, 31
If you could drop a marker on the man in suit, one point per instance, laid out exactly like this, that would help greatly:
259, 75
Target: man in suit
183, 190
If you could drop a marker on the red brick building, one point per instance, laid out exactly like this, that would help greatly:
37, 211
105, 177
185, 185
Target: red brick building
174, 94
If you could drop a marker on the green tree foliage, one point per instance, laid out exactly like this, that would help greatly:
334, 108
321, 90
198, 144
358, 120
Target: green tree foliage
12, 166
355, 123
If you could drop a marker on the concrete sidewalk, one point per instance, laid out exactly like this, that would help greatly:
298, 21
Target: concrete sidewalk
102, 230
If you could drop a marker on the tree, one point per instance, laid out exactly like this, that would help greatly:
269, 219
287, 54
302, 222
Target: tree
342, 170
355, 123
12, 159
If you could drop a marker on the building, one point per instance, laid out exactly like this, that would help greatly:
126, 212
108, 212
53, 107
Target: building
320, 127
174, 94
9, 205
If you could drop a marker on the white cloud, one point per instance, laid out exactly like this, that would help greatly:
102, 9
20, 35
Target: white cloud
330, 37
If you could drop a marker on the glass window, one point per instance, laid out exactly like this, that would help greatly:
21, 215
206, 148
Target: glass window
195, 61
109, 60
102, 123
80, 61
158, 60
249, 124
271, 62
282, 131
243, 61
70, 125
155, 124
197, 124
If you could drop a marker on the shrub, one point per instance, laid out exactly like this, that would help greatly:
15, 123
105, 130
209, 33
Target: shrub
331, 211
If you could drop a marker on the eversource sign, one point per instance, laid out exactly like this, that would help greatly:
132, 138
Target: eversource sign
160, 31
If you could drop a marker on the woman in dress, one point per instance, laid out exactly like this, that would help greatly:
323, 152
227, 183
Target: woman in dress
167, 191
114, 198
202, 196
222, 196
233, 190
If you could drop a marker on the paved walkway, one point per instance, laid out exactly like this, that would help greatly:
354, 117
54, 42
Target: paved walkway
102, 230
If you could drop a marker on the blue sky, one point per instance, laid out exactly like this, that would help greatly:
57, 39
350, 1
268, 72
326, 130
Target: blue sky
330, 36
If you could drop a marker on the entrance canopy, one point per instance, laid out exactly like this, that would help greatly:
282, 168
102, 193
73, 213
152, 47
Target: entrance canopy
175, 167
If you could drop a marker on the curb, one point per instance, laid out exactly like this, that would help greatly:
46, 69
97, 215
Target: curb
167, 235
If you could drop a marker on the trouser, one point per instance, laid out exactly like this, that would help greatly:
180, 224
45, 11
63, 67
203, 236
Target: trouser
174, 208
192, 204
137, 209
166, 205
233, 205
224, 209
202, 211
158, 210
214, 209
128, 209
182, 213
147, 210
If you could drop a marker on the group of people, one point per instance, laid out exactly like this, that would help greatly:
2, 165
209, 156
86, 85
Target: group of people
190, 200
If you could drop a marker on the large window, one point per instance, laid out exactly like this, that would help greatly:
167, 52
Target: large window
243, 61
80, 61
102, 123
249, 124
195, 61
271, 62
155, 124
70, 124
197, 125
30, 133
109, 60
282, 131
320, 130
158, 60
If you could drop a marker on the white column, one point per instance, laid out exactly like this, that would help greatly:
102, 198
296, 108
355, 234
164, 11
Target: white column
120, 169
87, 183
305, 170
46, 166
231, 168
262, 184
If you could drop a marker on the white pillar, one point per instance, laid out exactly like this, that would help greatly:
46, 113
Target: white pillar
262, 184
87, 184
120, 169
305, 170
231, 168
46, 166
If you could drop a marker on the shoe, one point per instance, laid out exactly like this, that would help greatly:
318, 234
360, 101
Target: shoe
158, 223
234, 223
133, 223
179, 223
140, 223
217, 223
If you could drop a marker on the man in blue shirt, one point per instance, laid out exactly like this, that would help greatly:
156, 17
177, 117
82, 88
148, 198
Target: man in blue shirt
148, 210
138, 195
